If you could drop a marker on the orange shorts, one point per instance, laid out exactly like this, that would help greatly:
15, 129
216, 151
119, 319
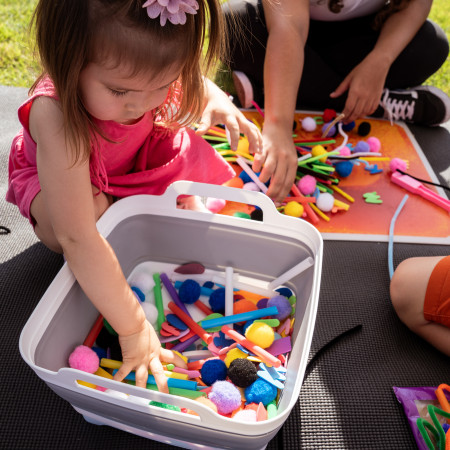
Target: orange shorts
436, 307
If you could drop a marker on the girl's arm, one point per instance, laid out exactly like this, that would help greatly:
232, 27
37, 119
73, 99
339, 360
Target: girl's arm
68, 198
288, 24
366, 81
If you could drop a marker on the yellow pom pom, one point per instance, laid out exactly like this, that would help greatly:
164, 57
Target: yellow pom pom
319, 150
294, 209
260, 334
233, 354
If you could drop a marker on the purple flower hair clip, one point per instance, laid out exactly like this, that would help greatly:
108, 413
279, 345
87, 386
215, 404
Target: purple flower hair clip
172, 10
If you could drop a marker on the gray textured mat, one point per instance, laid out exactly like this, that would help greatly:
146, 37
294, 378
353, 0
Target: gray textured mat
360, 349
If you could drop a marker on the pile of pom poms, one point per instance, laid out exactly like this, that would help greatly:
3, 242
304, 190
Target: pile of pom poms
235, 380
316, 194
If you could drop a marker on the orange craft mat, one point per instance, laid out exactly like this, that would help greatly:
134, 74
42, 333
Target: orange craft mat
420, 221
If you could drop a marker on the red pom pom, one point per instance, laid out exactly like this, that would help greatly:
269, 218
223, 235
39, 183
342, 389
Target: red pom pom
329, 115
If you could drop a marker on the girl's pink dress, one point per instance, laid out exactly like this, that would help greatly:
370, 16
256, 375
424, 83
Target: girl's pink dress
143, 159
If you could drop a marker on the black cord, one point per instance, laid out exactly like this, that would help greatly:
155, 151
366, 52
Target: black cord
4, 230
424, 181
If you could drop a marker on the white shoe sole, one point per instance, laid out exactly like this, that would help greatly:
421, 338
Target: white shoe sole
244, 89
442, 96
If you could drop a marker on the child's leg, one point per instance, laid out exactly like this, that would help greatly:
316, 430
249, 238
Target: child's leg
43, 227
408, 288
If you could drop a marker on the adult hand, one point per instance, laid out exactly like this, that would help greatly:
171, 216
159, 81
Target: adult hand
365, 85
142, 351
278, 161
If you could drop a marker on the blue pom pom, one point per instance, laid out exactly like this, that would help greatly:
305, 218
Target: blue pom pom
217, 300
189, 291
348, 126
213, 370
344, 168
245, 177
285, 291
260, 392
139, 294
208, 284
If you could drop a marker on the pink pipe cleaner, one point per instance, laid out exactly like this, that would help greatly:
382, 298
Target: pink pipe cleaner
172, 10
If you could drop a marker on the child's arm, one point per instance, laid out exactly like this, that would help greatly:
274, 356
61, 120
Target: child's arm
219, 109
68, 199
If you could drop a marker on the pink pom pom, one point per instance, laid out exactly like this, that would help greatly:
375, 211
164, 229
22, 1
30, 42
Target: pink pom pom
85, 359
309, 124
345, 151
251, 186
215, 204
397, 163
307, 184
374, 144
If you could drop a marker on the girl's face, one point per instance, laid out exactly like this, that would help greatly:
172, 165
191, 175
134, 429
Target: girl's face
112, 94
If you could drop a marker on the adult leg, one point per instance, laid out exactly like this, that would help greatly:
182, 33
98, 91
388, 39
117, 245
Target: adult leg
43, 227
247, 38
354, 39
408, 288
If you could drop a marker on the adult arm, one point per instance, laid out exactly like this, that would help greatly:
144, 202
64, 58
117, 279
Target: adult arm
287, 23
366, 81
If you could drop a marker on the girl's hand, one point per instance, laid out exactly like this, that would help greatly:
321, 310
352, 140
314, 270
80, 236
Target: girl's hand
278, 161
219, 109
142, 351
365, 86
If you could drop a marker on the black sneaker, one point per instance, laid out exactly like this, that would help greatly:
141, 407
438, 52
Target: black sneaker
244, 89
422, 105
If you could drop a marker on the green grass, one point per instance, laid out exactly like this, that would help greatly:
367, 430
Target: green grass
18, 67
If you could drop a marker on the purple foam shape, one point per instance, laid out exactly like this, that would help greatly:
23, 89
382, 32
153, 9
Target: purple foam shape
279, 346
173, 293
181, 346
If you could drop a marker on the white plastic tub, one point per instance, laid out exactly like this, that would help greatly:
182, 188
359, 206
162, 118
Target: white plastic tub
151, 228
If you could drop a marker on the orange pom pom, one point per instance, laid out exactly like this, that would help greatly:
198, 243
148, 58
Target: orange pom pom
243, 305
235, 182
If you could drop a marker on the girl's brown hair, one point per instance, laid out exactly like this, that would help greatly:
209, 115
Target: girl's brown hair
72, 33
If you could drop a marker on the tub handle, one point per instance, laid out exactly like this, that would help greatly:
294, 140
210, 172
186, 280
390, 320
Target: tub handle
270, 213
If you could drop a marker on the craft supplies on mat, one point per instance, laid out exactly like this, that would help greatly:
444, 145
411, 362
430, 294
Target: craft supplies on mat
151, 236
365, 197
428, 412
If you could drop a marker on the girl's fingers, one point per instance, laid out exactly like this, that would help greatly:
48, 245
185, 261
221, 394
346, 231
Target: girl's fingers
169, 356
141, 376
123, 371
158, 373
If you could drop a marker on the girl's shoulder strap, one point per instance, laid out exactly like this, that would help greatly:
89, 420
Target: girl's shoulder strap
45, 88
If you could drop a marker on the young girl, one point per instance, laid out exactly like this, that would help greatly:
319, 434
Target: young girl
420, 294
102, 123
